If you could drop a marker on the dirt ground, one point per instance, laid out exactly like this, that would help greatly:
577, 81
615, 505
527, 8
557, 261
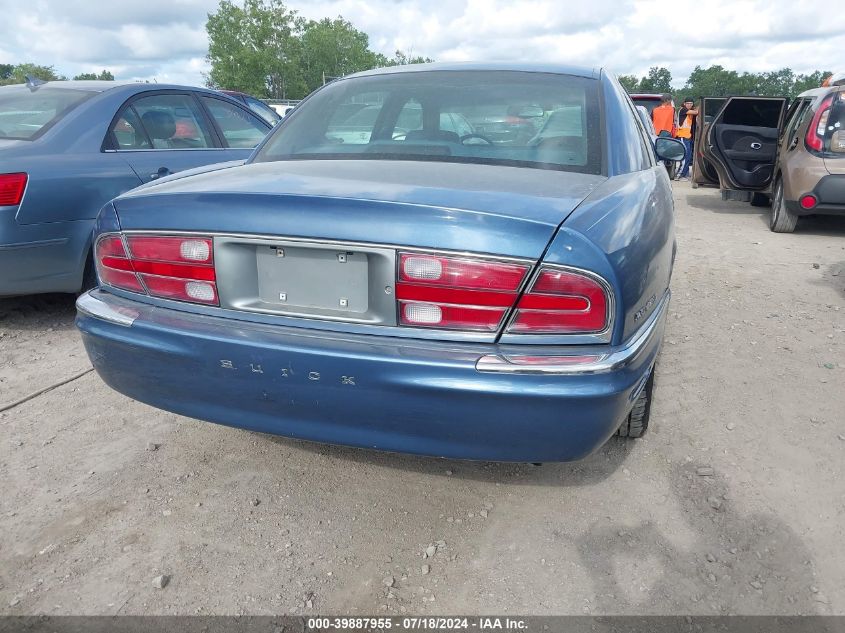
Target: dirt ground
733, 503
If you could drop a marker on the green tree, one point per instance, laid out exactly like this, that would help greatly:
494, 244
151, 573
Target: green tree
629, 82
265, 49
103, 76
6, 71
713, 81
20, 71
716, 81
333, 48
658, 80
401, 58
255, 49
808, 81
775, 83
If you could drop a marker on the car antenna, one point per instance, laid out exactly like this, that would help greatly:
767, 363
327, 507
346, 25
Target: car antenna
33, 82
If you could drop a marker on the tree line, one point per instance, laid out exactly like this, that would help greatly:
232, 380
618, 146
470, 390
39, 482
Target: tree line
717, 81
264, 48
16, 74
268, 50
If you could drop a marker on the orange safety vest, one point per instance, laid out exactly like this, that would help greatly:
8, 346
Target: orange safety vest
663, 118
685, 130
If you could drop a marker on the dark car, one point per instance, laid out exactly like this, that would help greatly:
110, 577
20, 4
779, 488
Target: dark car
256, 105
422, 291
68, 147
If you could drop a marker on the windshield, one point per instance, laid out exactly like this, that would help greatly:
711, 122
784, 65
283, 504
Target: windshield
523, 119
25, 113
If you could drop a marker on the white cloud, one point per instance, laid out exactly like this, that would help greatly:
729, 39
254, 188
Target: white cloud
165, 40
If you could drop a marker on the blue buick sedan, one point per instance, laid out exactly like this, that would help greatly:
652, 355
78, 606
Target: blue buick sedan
478, 268
68, 147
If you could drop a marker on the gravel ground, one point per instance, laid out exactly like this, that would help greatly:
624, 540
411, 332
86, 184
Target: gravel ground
733, 503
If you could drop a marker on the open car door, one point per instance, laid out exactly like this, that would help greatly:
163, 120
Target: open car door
742, 144
703, 173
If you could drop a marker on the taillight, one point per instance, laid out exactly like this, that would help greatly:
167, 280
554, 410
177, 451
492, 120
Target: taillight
169, 267
814, 138
808, 201
562, 301
12, 187
456, 292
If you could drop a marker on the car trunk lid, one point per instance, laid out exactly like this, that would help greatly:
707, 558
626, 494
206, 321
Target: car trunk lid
320, 240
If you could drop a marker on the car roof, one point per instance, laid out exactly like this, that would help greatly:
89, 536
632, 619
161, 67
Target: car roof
103, 86
815, 92
559, 69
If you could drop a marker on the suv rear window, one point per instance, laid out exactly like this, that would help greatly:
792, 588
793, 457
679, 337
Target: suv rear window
835, 128
523, 119
26, 114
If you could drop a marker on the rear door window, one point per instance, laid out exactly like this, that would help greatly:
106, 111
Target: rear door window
128, 133
263, 110
794, 116
170, 121
239, 127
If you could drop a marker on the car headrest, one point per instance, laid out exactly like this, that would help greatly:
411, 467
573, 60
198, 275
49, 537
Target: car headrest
159, 124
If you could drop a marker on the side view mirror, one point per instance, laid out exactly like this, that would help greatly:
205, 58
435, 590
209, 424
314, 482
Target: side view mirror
668, 148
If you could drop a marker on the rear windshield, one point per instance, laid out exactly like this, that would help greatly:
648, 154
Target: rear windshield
834, 127
25, 113
524, 119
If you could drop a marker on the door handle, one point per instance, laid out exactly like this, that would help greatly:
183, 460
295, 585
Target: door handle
756, 145
161, 173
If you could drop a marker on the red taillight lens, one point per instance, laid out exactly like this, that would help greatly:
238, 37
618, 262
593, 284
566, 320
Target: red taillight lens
808, 201
456, 292
12, 187
171, 249
180, 268
562, 302
460, 273
814, 138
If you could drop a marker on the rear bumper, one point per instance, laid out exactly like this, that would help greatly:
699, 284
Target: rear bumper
830, 192
414, 396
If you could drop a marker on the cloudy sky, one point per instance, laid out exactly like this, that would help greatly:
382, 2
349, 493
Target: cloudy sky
165, 40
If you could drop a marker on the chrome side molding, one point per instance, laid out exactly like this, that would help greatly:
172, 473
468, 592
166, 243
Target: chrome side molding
90, 305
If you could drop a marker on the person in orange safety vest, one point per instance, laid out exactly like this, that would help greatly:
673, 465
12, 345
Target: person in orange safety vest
686, 132
663, 117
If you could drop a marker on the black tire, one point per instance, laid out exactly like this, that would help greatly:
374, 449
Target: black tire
760, 199
783, 220
636, 424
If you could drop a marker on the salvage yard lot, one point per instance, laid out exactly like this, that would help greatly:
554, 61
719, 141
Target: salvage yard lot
734, 502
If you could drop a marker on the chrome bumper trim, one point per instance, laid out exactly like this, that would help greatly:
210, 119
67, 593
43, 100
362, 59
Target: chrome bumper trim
592, 363
89, 305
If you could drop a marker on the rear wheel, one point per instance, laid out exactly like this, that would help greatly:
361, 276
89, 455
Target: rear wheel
783, 220
636, 424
